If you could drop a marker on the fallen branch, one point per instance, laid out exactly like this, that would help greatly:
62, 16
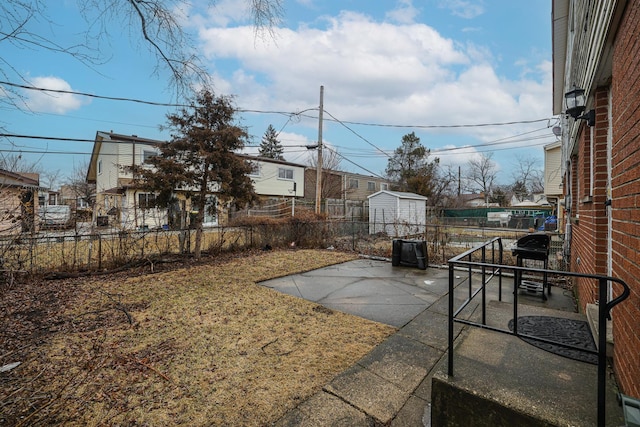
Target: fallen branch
146, 365
267, 345
285, 353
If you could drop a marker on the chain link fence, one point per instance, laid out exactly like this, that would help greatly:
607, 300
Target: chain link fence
97, 251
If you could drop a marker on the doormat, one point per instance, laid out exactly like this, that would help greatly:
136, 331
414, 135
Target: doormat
565, 331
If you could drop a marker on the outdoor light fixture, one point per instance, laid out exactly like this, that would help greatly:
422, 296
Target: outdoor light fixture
575, 102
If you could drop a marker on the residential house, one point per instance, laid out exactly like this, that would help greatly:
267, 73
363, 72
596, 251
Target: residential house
18, 202
343, 185
80, 198
553, 183
596, 89
474, 200
119, 203
276, 178
360, 187
331, 183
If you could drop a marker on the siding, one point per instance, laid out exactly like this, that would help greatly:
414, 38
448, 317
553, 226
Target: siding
397, 214
267, 183
553, 170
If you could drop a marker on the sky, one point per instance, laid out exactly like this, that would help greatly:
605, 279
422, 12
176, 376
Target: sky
468, 77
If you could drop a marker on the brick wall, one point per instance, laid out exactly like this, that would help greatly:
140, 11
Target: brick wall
590, 222
625, 192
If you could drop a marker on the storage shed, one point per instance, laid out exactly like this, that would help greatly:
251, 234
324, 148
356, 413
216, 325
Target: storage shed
397, 214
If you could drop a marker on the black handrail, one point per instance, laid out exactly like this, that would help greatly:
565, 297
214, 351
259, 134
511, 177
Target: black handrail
604, 309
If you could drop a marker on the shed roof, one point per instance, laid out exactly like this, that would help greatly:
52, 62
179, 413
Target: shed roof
399, 194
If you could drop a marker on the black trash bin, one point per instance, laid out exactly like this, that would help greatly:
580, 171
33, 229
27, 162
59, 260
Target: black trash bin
410, 253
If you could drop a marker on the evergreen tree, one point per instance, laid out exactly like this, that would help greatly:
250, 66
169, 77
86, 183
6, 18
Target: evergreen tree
270, 147
410, 168
200, 159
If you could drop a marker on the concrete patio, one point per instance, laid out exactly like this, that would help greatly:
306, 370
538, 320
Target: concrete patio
498, 379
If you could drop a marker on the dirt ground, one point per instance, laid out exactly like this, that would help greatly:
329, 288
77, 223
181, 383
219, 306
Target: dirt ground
170, 344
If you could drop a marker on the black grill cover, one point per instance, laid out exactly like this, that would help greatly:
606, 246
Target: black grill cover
533, 246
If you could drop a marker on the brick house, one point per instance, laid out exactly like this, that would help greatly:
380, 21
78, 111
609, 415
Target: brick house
595, 48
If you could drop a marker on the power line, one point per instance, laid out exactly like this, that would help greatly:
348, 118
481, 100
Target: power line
355, 164
357, 134
287, 113
520, 122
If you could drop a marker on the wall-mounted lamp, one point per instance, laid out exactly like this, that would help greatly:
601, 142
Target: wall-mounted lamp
575, 103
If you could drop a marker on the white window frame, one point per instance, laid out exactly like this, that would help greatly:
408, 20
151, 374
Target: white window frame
284, 172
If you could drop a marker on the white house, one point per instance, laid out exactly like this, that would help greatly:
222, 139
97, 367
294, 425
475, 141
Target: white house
397, 214
276, 178
120, 204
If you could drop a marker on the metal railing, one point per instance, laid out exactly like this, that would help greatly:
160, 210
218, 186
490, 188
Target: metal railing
488, 269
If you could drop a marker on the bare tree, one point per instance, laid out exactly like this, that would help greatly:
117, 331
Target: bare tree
16, 163
49, 179
481, 174
529, 173
445, 189
158, 23
331, 184
82, 191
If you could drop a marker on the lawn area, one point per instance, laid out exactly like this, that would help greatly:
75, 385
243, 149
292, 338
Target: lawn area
201, 344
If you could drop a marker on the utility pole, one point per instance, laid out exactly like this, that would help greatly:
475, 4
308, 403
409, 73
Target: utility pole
319, 165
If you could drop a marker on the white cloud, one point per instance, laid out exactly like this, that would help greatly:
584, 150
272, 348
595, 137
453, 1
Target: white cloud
379, 72
467, 9
405, 13
52, 102
388, 66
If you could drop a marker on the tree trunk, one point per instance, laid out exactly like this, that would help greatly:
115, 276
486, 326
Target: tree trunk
197, 250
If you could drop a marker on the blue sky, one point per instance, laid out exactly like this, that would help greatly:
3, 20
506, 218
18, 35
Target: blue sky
388, 68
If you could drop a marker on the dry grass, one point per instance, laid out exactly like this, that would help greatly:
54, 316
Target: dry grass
206, 346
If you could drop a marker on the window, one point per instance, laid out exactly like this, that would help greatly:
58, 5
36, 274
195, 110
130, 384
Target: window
146, 200
353, 183
371, 186
384, 186
211, 211
255, 169
285, 173
99, 167
147, 154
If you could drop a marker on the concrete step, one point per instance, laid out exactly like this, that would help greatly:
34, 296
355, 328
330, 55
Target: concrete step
592, 318
501, 380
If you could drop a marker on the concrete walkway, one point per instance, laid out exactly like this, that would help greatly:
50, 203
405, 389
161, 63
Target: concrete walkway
391, 385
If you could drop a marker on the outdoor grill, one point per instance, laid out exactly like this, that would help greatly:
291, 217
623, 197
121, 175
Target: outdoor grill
533, 247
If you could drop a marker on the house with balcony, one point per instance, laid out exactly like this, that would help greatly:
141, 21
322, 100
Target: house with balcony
596, 92
119, 203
